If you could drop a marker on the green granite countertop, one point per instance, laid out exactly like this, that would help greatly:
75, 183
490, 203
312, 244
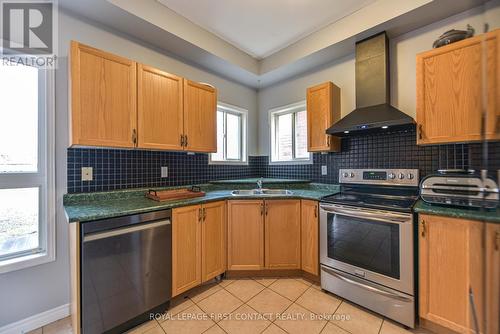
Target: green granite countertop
264, 181
93, 206
492, 216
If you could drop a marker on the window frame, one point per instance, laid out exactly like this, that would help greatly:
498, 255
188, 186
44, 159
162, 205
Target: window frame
43, 178
293, 108
243, 113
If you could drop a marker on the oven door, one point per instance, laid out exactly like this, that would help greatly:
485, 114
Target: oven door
372, 244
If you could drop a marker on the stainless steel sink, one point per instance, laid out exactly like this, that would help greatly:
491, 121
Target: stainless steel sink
263, 192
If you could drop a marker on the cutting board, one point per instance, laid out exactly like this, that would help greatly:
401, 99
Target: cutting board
174, 194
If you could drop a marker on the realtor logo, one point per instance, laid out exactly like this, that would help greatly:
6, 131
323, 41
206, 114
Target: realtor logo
29, 29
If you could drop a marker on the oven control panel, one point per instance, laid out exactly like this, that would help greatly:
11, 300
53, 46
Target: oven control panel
394, 177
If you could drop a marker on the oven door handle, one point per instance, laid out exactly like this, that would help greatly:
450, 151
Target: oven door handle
388, 217
367, 287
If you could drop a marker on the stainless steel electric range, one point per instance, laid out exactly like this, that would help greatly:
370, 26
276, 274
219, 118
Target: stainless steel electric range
366, 241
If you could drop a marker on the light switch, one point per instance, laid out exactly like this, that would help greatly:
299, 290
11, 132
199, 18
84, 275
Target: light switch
87, 174
324, 170
164, 172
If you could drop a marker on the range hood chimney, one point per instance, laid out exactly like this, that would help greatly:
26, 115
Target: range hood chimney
373, 109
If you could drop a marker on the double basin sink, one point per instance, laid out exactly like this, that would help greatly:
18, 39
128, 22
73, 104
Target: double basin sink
262, 192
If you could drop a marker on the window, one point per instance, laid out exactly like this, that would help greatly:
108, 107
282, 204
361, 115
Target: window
26, 167
231, 135
289, 134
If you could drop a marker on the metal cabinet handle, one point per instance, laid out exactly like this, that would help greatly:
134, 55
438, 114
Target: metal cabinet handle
185, 140
422, 233
497, 240
261, 209
315, 211
200, 215
182, 140
328, 140
265, 204
134, 137
420, 136
204, 214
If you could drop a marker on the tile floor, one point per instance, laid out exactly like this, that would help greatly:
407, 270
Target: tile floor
259, 305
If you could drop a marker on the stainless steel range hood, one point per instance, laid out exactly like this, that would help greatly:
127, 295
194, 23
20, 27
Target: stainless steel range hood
373, 109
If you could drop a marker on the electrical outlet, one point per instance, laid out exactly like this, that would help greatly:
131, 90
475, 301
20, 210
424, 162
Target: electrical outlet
87, 174
324, 170
164, 172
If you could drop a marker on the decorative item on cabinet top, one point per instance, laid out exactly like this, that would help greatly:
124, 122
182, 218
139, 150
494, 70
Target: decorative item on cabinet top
117, 102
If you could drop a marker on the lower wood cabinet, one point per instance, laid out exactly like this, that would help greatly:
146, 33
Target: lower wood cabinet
245, 241
264, 234
450, 263
282, 234
492, 278
309, 226
198, 245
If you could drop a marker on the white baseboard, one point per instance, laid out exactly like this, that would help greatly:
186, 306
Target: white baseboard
36, 321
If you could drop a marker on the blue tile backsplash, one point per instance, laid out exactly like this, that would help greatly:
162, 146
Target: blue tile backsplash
122, 169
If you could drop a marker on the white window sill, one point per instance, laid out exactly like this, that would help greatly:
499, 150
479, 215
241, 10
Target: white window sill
291, 162
25, 261
231, 163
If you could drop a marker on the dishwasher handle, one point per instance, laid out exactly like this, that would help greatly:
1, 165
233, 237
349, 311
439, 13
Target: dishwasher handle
124, 230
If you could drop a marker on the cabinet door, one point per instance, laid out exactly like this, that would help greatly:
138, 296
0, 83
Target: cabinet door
186, 248
245, 244
213, 240
449, 263
492, 277
159, 100
309, 236
103, 98
200, 108
282, 232
450, 90
323, 109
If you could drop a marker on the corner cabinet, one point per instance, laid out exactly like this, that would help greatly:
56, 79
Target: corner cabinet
103, 98
450, 263
116, 102
198, 245
450, 84
323, 109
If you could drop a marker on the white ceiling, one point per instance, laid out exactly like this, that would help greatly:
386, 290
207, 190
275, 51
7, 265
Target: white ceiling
263, 27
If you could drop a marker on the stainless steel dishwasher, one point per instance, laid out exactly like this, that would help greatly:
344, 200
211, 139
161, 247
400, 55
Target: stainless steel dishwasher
126, 270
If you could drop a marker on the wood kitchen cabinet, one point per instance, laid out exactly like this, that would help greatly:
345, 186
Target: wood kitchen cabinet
263, 234
282, 234
103, 98
200, 111
309, 226
450, 85
116, 102
245, 241
160, 109
323, 109
198, 245
450, 261
492, 277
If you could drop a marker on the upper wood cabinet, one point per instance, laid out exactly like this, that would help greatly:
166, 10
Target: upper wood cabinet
309, 237
450, 85
103, 98
323, 109
160, 109
450, 261
282, 234
116, 102
200, 111
245, 240
213, 237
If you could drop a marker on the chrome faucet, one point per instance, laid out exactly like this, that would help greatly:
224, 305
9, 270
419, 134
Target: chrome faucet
259, 184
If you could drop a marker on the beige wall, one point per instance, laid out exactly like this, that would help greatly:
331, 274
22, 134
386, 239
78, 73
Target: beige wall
403, 49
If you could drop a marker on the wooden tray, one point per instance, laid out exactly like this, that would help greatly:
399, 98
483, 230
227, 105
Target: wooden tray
175, 194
